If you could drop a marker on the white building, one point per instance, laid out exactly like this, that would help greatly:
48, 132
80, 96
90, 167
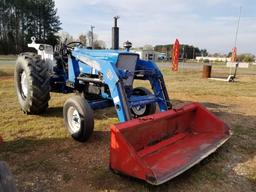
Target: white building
146, 55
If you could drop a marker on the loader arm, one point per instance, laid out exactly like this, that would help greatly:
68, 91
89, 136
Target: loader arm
117, 70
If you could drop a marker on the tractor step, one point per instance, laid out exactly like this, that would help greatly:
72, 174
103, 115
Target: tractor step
158, 147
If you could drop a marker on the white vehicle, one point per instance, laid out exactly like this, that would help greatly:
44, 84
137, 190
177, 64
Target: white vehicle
162, 57
147, 55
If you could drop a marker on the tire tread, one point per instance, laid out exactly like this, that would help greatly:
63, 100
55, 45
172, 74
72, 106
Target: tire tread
38, 74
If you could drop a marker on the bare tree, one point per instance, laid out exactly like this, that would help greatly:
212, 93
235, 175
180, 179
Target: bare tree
82, 39
99, 44
65, 36
148, 48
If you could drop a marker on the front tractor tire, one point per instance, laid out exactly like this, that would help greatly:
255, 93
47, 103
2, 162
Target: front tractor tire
32, 82
78, 118
144, 110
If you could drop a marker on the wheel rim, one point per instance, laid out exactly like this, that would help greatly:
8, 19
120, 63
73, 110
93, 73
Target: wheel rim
139, 110
24, 84
74, 119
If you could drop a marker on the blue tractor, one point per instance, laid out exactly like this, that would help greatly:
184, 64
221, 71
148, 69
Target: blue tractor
151, 147
101, 78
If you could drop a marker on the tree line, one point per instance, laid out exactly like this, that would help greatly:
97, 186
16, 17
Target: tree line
83, 38
22, 19
186, 51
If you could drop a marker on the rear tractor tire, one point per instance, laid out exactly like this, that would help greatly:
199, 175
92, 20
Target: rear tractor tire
32, 82
78, 118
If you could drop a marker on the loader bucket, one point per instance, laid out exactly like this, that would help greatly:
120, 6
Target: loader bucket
158, 147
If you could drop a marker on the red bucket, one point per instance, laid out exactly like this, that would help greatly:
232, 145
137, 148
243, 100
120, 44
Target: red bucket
158, 147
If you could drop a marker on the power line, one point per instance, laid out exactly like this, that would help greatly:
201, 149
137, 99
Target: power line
238, 24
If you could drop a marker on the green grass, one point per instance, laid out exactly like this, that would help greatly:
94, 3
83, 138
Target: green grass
39, 145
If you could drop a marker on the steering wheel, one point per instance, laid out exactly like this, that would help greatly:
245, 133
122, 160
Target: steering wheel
73, 44
67, 48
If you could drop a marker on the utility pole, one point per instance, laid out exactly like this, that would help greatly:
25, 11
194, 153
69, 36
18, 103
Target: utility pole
183, 57
92, 27
193, 52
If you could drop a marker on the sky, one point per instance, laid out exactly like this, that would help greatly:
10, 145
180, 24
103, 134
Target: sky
209, 24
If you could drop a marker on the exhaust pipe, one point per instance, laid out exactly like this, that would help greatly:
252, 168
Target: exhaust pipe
115, 34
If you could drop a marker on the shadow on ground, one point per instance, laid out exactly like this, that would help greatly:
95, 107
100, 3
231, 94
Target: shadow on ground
98, 114
53, 111
62, 164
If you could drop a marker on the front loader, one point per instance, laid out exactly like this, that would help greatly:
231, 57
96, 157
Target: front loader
151, 146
